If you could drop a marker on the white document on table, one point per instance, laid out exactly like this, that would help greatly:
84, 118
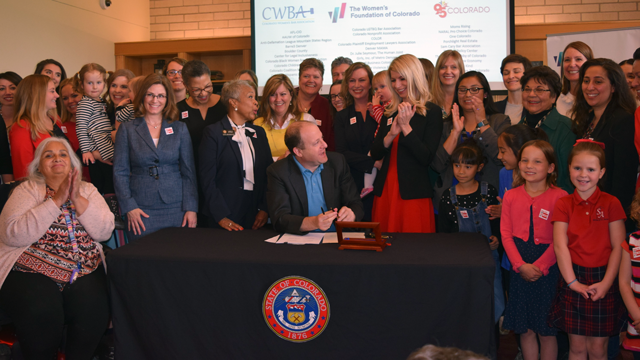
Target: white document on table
310, 238
332, 237
273, 239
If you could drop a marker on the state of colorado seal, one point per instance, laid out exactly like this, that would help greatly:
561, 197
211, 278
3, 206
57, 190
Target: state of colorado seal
296, 309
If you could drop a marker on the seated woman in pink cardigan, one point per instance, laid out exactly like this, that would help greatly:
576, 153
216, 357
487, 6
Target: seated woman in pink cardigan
51, 265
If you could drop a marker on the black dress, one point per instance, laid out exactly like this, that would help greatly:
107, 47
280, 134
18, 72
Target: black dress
5, 153
196, 124
353, 140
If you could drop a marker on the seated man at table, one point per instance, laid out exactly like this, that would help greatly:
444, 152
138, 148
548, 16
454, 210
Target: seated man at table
310, 188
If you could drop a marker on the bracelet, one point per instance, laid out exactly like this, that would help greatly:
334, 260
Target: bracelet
569, 284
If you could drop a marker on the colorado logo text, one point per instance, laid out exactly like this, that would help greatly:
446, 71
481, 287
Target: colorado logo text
442, 9
296, 309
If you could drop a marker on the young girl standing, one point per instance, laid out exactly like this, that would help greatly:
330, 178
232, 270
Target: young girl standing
629, 281
462, 208
527, 236
384, 100
588, 232
93, 127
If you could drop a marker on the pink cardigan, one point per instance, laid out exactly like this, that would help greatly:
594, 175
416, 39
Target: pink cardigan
25, 218
514, 222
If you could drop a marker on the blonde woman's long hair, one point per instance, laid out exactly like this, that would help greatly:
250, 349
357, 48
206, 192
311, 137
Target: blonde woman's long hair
410, 68
437, 92
30, 104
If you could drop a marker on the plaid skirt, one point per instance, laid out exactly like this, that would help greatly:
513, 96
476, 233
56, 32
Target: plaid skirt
576, 315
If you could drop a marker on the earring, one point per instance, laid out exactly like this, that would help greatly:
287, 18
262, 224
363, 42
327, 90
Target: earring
236, 109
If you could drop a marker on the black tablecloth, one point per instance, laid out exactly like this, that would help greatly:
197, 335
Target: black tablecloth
197, 294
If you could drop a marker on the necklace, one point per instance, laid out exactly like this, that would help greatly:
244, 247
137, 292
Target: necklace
592, 126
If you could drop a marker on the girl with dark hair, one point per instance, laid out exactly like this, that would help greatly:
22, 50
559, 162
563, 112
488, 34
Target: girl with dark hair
462, 208
604, 112
479, 120
52, 69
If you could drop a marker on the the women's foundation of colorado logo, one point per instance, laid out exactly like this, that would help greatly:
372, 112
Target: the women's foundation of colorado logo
296, 309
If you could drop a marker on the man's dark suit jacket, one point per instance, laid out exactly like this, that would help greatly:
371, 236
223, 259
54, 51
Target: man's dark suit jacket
287, 194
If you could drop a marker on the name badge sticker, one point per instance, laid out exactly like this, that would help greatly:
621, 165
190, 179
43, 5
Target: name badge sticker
168, 130
185, 114
389, 121
64, 129
228, 132
464, 214
352, 121
318, 122
636, 252
544, 214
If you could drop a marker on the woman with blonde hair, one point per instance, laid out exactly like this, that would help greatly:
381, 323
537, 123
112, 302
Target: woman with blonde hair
407, 140
35, 97
278, 107
574, 55
448, 69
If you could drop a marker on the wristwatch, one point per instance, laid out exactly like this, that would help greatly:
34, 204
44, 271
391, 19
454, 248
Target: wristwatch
481, 124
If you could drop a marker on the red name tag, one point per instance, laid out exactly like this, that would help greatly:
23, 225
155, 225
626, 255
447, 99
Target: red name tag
168, 131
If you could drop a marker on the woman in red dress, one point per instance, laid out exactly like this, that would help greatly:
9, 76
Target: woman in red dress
407, 140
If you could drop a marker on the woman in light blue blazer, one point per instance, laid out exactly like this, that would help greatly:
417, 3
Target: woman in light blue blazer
153, 166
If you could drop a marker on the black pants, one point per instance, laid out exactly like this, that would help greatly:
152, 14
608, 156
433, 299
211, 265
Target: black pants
102, 177
39, 311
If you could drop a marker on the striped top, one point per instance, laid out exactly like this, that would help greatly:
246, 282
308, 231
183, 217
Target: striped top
94, 128
632, 341
124, 113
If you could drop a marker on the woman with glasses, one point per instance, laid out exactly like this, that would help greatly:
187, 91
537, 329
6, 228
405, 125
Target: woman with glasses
474, 115
173, 71
153, 169
337, 102
203, 107
540, 89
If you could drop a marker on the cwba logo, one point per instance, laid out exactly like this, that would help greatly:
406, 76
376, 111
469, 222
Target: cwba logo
285, 13
334, 14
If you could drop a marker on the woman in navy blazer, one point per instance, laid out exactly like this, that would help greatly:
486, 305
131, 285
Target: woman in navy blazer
234, 156
154, 173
